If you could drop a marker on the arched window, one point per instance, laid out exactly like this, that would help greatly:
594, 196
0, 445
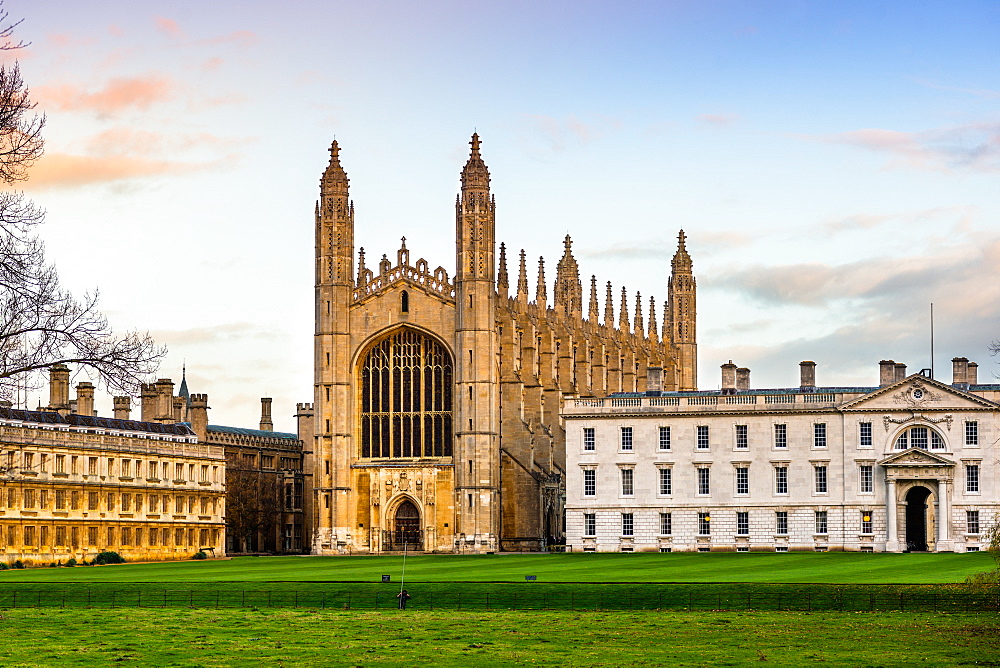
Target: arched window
920, 438
406, 398
404, 302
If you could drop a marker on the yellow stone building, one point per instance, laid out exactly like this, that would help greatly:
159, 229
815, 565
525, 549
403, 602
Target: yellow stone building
73, 484
437, 398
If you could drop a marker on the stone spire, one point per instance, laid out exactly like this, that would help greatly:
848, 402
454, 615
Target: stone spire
568, 291
334, 226
541, 296
403, 254
682, 261
682, 307
623, 313
475, 224
361, 266
592, 316
653, 332
522, 281
609, 309
637, 326
475, 174
334, 180
503, 283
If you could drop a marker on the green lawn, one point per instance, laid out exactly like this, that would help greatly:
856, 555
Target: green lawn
293, 638
753, 567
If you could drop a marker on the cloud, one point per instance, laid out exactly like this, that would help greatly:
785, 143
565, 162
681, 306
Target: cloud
546, 134
718, 120
974, 146
960, 215
241, 38
707, 242
118, 94
60, 170
957, 275
168, 26
860, 312
984, 93
222, 333
212, 64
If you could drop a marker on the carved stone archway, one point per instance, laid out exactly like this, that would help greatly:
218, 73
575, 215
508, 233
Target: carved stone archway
911, 469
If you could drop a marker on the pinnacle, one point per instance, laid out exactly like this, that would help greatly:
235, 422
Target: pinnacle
475, 174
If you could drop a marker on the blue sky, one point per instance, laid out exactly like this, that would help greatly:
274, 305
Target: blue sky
834, 165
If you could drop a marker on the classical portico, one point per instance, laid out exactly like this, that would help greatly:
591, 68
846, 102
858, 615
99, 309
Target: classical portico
918, 480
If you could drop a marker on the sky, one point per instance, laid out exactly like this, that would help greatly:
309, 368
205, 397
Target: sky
834, 165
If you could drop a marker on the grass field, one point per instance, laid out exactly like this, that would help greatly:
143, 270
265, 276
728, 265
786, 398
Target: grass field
296, 638
759, 567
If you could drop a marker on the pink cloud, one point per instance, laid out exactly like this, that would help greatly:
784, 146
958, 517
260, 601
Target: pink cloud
243, 38
974, 146
212, 64
168, 26
119, 94
116, 30
60, 170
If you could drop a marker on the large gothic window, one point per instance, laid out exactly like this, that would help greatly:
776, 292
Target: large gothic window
406, 398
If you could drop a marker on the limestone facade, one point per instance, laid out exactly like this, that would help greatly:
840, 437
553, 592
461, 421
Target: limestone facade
906, 465
73, 484
437, 396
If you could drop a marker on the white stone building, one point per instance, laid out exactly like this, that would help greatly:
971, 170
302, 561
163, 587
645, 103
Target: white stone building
908, 465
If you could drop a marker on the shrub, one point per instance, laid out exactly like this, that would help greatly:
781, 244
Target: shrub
200, 554
71, 562
17, 564
109, 558
3, 566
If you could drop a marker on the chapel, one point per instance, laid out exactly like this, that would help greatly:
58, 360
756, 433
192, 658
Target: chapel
438, 393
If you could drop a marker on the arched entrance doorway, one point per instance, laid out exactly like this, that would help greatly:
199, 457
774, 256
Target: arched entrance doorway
406, 534
916, 519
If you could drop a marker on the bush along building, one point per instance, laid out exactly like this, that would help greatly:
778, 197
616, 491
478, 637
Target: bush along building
437, 397
73, 484
907, 465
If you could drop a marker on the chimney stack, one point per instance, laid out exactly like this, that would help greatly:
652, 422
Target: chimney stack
85, 398
123, 407
654, 381
807, 376
900, 371
164, 401
886, 373
972, 374
729, 378
742, 379
199, 415
960, 372
265, 414
59, 387
147, 402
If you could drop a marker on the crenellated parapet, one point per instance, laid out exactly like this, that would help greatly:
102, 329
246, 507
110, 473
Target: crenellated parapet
419, 275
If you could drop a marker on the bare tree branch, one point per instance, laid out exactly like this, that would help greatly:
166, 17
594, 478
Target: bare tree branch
42, 324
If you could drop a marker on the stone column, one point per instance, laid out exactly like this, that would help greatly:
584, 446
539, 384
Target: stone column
944, 543
892, 530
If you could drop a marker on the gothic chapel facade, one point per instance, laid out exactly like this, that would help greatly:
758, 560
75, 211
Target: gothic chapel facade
438, 398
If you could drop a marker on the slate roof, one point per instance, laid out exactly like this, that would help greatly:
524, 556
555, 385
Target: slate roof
51, 417
252, 432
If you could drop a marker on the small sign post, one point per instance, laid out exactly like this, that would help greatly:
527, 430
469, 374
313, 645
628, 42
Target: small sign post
530, 578
386, 578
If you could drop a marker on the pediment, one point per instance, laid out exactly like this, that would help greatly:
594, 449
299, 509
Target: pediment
916, 457
918, 393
